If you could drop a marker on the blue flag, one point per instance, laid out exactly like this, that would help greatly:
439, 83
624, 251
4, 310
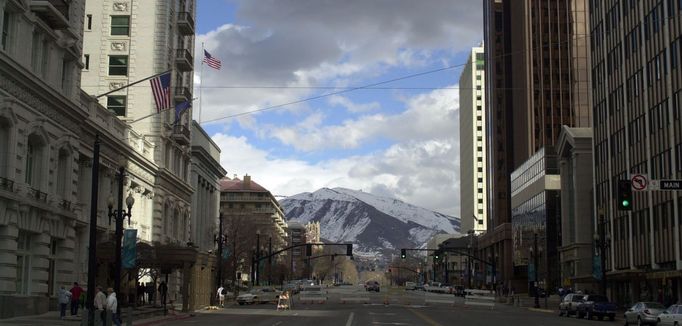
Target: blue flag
129, 254
180, 109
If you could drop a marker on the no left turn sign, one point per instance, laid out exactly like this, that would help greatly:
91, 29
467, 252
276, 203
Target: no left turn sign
639, 182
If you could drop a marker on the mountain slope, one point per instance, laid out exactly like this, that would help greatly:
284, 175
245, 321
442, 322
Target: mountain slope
377, 224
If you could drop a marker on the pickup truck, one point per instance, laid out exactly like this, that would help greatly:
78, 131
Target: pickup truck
595, 305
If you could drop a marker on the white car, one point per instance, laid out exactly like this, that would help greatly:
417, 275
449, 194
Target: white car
671, 316
262, 295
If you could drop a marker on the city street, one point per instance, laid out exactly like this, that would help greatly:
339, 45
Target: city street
404, 308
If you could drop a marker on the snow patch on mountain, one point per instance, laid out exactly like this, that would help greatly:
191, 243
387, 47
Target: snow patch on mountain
375, 224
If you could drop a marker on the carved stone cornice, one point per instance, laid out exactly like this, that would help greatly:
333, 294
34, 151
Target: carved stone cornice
27, 96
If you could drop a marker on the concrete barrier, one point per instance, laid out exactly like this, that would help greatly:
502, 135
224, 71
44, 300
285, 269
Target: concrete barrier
438, 298
479, 298
354, 300
312, 299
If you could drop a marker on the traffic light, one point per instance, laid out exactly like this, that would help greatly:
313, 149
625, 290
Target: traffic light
349, 250
624, 195
403, 253
308, 250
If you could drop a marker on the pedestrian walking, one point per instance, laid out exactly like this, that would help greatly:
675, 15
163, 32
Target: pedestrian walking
150, 292
101, 303
221, 296
76, 292
112, 305
64, 298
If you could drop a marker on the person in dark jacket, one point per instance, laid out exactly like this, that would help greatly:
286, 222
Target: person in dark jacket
76, 291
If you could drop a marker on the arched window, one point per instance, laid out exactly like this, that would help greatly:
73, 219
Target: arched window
35, 153
5, 129
63, 172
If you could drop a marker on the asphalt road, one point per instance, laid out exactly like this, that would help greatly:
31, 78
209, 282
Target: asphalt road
403, 308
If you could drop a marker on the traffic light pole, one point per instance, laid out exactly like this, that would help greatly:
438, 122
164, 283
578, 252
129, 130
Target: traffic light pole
455, 251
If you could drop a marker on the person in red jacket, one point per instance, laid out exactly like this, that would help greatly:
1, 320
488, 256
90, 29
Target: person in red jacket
76, 291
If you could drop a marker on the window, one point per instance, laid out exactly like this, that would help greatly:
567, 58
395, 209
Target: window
5, 131
117, 105
86, 60
52, 269
63, 175
45, 53
5, 30
120, 25
118, 65
23, 263
35, 56
34, 155
89, 22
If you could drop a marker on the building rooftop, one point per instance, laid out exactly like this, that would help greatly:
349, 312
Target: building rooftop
236, 185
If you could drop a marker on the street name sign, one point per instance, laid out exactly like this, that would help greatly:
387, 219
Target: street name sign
670, 184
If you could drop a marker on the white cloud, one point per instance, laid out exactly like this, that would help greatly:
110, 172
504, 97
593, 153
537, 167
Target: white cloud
298, 43
338, 100
428, 116
421, 168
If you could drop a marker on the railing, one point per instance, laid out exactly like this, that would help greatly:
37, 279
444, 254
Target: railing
37, 194
65, 204
6, 184
183, 93
181, 130
184, 58
186, 22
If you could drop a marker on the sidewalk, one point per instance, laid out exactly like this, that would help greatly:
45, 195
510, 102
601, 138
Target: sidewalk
52, 318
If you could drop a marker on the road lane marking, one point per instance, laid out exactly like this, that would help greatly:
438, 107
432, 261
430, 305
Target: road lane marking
350, 319
425, 318
277, 323
382, 313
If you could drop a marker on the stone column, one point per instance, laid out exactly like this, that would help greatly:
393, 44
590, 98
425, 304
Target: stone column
8, 258
40, 251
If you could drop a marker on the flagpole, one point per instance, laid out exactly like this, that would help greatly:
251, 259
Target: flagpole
201, 80
131, 84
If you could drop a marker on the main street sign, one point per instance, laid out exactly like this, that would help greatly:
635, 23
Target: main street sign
670, 184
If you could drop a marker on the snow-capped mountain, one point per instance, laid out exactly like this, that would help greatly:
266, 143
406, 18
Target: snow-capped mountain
376, 224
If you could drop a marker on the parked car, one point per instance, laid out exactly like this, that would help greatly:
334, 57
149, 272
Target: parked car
671, 316
292, 287
419, 286
644, 313
594, 305
372, 286
410, 285
569, 305
261, 295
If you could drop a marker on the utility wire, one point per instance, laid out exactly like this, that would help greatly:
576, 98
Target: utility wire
371, 86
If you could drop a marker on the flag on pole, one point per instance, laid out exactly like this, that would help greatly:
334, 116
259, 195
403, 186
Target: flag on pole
211, 61
180, 109
161, 91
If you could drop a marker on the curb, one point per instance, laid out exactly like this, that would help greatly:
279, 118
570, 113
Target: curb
163, 320
542, 310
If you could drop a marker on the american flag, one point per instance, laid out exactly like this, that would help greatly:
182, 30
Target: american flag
211, 61
161, 91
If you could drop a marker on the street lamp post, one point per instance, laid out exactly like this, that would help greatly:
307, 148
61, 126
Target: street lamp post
535, 252
602, 242
220, 239
119, 215
253, 266
257, 257
270, 261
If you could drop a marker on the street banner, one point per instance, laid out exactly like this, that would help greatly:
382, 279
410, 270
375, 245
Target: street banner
596, 267
226, 253
129, 254
531, 272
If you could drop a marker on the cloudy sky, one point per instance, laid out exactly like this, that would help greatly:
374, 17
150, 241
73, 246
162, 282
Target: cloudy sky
397, 138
